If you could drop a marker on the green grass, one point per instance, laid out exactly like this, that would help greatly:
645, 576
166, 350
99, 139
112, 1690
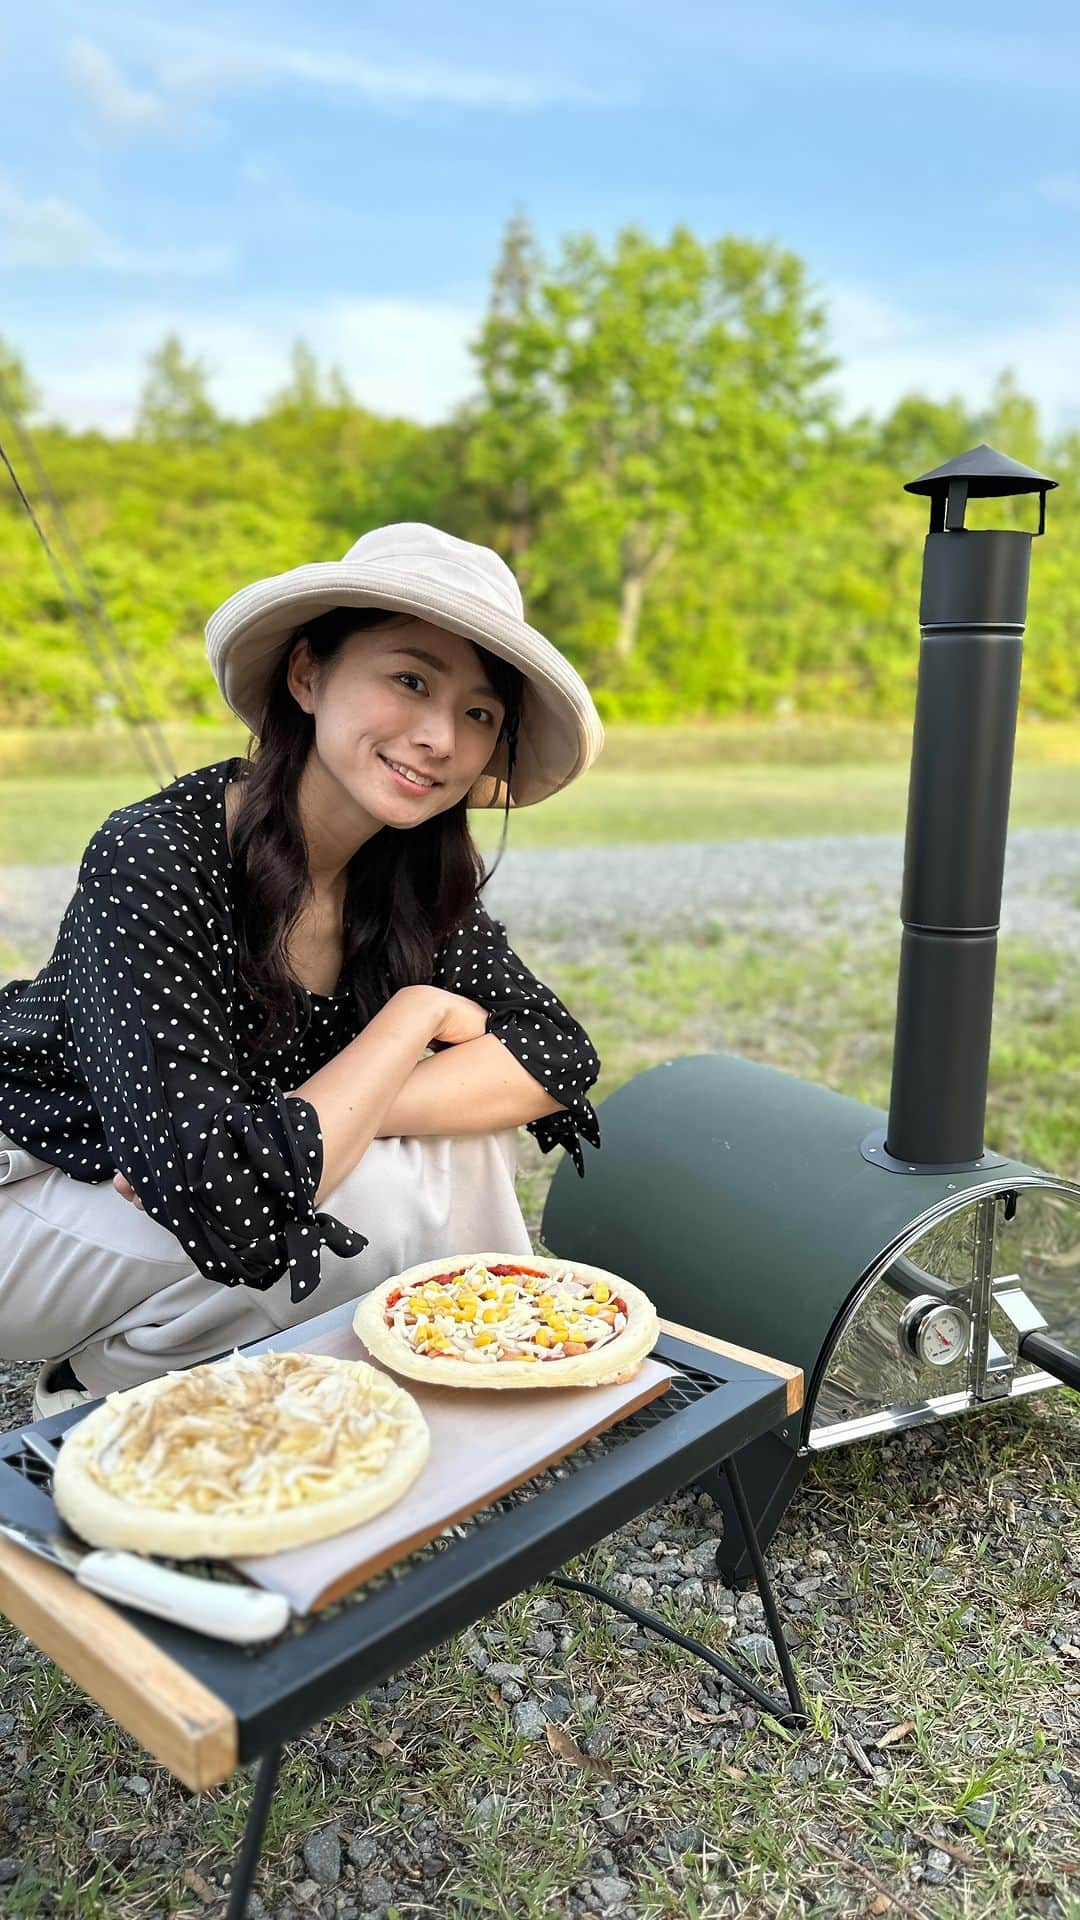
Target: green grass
944, 1552
662, 784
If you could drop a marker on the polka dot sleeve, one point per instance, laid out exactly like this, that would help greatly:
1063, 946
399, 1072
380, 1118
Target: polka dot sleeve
234, 1180
532, 1023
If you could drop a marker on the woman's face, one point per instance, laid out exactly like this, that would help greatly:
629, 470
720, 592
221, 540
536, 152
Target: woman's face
380, 708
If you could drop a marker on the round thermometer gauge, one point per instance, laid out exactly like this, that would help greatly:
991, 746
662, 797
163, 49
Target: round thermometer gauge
936, 1332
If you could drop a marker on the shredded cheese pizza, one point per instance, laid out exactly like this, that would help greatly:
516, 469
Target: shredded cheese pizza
245, 1455
513, 1322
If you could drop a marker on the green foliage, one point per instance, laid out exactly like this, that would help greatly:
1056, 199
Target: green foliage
175, 404
653, 447
18, 395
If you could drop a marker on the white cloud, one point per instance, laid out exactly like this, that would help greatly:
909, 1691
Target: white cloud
220, 67
886, 350
410, 357
118, 107
51, 235
398, 356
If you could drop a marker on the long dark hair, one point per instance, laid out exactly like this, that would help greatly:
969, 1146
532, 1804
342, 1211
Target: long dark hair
407, 889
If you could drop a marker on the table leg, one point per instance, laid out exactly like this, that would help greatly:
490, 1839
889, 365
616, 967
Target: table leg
244, 1871
791, 1715
776, 1631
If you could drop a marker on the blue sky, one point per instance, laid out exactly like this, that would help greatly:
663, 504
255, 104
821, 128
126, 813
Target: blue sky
246, 173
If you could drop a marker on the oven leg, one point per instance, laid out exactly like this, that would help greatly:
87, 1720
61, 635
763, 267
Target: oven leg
244, 1871
776, 1631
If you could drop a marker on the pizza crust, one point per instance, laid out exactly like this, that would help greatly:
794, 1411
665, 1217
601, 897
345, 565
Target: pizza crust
106, 1518
611, 1365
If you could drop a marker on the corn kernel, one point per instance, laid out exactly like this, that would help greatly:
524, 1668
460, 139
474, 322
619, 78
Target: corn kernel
546, 1300
468, 1312
592, 1307
543, 1337
484, 1339
601, 1292
490, 1314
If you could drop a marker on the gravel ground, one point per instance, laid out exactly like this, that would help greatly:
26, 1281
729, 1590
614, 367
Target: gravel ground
410, 1862
583, 895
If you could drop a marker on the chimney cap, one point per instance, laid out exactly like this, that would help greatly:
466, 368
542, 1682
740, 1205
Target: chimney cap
986, 472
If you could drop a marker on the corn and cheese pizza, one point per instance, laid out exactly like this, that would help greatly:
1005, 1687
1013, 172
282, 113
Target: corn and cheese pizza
247, 1455
500, 1320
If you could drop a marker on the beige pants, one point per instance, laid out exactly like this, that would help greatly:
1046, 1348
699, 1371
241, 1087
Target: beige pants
87, 1276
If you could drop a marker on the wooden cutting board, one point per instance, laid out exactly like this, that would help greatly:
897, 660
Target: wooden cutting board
483, 1442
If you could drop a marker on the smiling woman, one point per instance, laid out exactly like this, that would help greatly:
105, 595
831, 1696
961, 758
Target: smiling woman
254, 960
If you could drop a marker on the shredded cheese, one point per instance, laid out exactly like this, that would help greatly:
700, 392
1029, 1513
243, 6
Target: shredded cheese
252, 1434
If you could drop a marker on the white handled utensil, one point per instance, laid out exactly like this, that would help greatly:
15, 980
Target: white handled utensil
214, 1607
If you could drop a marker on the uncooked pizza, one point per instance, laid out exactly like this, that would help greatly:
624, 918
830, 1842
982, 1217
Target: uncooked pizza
246, 1455
493, 1320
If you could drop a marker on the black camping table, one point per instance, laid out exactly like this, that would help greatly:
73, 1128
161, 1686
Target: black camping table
203, 1707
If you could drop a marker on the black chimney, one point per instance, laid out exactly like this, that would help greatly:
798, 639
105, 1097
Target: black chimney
972, 615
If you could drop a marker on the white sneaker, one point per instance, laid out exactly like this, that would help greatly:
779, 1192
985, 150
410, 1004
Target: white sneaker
55, 1399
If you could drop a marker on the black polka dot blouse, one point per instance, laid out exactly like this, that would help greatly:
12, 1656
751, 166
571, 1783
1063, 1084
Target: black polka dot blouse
133, 1049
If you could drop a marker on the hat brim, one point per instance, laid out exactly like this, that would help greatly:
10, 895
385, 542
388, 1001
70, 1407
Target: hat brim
560, 733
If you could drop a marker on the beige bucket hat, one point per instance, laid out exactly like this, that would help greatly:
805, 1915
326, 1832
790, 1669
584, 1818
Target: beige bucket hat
413, 568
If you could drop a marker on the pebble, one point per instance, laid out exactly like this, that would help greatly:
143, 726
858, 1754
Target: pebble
500, 1670
610, 1890
322, 1856
689, 1839
530, 1719
550, 1611
375, 1890
690, 1593
701, 1560
758, 1649
10, 1869
362, 1850
981, 1811
487, 1810
598, 1741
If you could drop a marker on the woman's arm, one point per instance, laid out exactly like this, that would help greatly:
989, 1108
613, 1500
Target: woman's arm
475, 1088
534, 1027
350, 1093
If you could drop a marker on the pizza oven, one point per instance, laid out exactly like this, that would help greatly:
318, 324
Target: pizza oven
912, 1273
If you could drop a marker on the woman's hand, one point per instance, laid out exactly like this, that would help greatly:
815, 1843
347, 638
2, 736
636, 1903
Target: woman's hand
127, 1191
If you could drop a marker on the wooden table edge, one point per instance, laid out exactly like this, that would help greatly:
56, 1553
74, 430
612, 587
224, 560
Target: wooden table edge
782, 1368
185, 1726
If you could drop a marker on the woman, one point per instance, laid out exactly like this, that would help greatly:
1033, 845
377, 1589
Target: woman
216, 1120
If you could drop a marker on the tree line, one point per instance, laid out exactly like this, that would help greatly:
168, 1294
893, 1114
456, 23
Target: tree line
653, 444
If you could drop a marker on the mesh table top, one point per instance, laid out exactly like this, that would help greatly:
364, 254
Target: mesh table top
203, 1706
